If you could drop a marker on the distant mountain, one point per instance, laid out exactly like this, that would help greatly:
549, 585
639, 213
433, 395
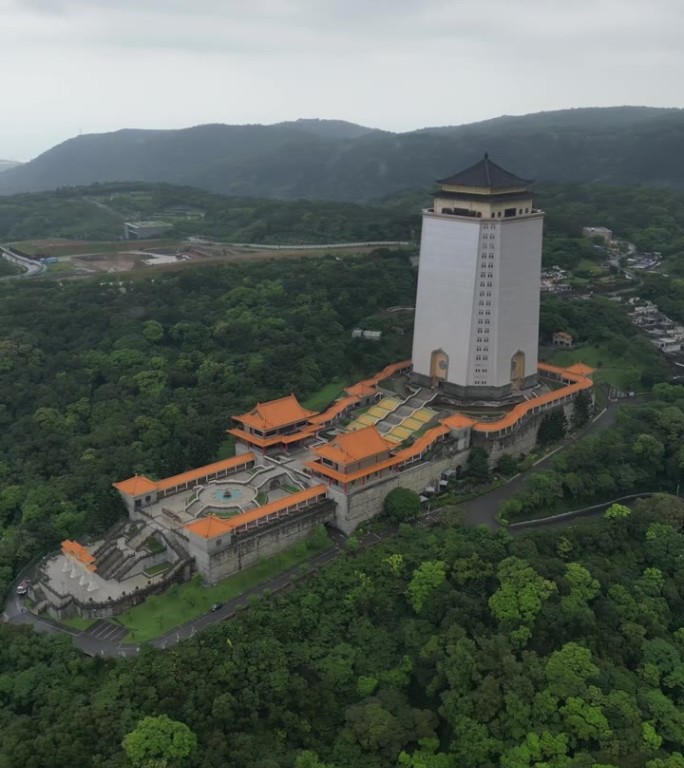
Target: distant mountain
336, 160
5, 165
329, 129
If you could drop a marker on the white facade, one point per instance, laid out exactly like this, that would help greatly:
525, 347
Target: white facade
477, 307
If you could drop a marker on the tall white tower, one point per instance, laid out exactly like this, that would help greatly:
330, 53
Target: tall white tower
476, 328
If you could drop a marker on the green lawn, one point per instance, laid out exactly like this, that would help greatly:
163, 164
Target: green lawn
617, 371
326, 394
181, 603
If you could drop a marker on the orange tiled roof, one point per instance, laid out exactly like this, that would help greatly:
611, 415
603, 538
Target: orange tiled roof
348, 477
367, 386
211, 526
275, 414
581, 369
208, 527
422, 443
334, 410
458, 421
406, 454
354, 446
522, 409
208, 469
392, 368
139, 484
573, 373
79, 552
267, 442
360, 389
136, 485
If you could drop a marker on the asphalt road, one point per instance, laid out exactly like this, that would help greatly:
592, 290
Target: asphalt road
482, 510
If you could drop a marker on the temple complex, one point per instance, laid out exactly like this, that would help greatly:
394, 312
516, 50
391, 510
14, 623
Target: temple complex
474, 380
278, 423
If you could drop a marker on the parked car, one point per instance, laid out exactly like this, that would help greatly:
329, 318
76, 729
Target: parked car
22, 588
216, 606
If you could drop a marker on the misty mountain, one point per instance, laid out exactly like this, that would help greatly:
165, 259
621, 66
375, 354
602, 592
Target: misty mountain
329, 129
336, 160
5, 165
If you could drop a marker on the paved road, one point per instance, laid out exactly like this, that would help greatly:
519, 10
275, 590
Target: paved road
32, 267
482, 511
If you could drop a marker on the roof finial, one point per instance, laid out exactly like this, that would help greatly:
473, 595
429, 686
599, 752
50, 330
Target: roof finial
486, 155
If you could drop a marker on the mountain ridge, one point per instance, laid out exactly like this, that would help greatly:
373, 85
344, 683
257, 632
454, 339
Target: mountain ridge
343, 161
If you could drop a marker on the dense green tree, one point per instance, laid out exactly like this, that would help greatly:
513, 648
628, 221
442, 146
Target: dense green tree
552, 428
477, 465
401, 505
430, 575
157, 742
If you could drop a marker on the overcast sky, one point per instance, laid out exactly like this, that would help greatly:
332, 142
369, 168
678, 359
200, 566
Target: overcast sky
88, 66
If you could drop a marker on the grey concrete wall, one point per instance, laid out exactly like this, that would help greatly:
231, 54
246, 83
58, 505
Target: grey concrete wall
150, 561
523, 440
365, 503
248, 548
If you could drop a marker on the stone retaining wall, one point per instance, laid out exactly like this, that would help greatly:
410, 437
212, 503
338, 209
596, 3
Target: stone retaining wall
248, 548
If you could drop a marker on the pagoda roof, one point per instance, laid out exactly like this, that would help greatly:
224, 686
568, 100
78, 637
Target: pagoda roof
278, 439
485, 175
275, 413
136, 485
354, 446
208, 527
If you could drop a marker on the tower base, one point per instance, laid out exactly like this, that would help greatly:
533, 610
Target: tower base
460, 392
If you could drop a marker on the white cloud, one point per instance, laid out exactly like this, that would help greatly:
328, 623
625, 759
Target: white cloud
97, 65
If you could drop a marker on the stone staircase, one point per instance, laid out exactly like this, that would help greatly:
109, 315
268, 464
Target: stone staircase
109, 559
136, 541
416, 402
114, 556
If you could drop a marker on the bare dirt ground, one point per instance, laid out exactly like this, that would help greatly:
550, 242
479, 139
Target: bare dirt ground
135, 257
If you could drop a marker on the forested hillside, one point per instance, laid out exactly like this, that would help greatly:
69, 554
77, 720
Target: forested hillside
98, 212
652, 218
315, 160
452, 648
